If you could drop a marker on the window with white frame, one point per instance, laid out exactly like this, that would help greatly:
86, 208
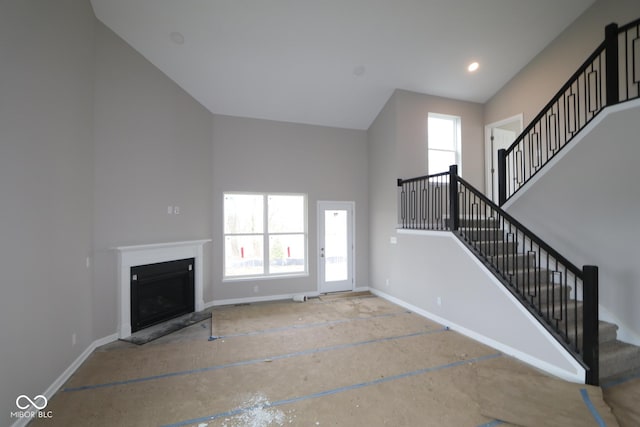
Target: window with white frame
264, 235
443, 142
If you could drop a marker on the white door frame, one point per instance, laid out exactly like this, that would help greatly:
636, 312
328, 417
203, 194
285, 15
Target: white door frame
351, 206
488, 155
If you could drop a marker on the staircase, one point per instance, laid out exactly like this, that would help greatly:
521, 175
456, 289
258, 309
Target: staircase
539, 291
561, 296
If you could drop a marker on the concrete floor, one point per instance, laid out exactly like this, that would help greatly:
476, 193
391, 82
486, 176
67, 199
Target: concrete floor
339, 361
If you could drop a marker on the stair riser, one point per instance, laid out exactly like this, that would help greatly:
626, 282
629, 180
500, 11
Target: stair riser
479, 222
613, 364
543, 296
476, 235
531, 279
495, 248
606, 333
571, 315
512, 263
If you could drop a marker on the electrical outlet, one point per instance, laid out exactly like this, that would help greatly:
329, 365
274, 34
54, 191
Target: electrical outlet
170, 210
73, 339
439, 301
256, 289
387, 282
88, 262
176, 210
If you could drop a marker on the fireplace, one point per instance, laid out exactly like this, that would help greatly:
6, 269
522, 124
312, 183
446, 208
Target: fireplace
130, 257
161, 291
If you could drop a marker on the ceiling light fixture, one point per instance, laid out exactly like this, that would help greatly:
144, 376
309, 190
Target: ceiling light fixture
473, 67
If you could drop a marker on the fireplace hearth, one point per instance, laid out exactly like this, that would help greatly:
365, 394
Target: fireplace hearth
161, 291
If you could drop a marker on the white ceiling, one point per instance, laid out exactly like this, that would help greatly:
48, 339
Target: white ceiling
335, 62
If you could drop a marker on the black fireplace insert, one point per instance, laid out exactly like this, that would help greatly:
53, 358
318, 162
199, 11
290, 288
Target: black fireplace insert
161, 291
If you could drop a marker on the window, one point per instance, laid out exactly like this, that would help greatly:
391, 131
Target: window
444, 148
264, 235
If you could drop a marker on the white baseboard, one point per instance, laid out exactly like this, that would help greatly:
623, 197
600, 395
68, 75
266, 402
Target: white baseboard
59, 382
249, 300
540, 364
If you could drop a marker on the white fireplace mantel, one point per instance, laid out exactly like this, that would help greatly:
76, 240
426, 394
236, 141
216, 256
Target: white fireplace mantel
132, 256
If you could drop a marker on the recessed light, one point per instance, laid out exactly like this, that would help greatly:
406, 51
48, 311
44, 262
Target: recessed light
473, 67
176, 37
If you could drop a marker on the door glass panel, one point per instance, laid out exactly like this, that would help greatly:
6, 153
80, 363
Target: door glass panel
336, 266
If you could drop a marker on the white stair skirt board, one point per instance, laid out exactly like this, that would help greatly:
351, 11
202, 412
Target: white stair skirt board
131, 256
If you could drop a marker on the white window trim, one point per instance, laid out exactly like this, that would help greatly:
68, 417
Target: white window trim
265, 234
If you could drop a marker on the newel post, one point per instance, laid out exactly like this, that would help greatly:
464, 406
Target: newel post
590, 340
611, 64
454, 209
502, 176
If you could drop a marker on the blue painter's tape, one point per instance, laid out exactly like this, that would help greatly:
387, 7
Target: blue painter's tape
492, 423
621, 381
335, 390
592, 409
252, 361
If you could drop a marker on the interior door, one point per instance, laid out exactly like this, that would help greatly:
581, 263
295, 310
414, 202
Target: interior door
498, 136
335, 246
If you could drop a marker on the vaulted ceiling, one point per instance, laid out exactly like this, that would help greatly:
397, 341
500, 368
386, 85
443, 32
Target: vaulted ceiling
335, 62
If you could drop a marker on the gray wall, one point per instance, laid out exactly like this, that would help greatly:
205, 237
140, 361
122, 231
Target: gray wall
262, 156
435, 265
398, 149
46, 186
530, 90
412, 110
382, 191
418, 269
598, 222
152, 150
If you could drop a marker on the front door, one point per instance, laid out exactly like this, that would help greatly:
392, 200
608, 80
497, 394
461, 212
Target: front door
335, 246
